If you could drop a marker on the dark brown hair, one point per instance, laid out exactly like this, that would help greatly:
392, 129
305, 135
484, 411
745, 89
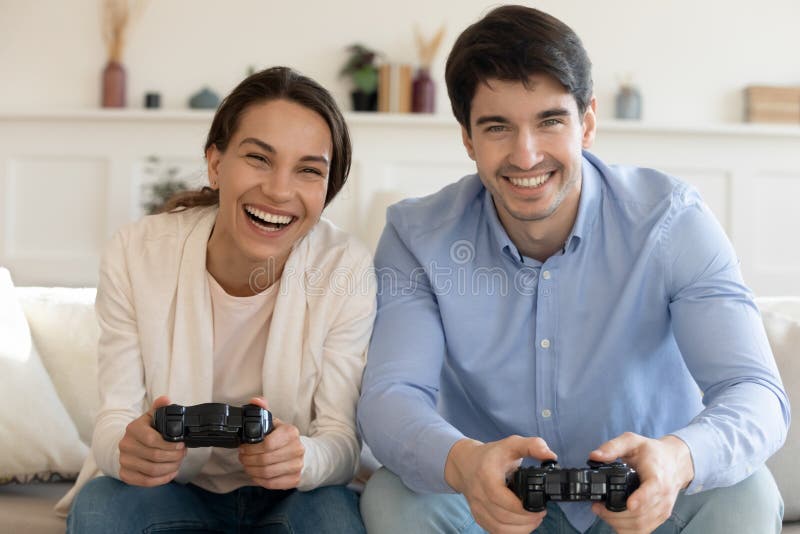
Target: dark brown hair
272, 84
512, 43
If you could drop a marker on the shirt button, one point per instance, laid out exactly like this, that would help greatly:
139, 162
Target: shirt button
545, 343
546, 275
546, 413
546, 292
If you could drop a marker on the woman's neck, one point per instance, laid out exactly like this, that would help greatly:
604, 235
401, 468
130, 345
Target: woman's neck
238, 275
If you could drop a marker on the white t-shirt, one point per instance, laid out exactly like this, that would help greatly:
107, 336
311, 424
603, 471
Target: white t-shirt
241, 325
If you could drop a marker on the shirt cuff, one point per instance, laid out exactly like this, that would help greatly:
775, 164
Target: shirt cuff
431, 449
703, 447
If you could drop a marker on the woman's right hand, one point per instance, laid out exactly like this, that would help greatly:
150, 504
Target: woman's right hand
145, 458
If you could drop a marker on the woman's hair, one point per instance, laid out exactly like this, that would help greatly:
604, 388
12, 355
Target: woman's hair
272, 84
512, 43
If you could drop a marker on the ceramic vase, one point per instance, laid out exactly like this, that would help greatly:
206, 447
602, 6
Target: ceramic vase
423, 93
114, 85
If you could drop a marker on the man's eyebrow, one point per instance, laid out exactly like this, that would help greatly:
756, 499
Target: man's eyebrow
555, 112
269, 148
491, 118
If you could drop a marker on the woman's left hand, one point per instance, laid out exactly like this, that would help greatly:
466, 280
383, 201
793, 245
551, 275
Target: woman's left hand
276, 462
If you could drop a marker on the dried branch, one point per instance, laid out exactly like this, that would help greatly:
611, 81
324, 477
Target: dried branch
427, 49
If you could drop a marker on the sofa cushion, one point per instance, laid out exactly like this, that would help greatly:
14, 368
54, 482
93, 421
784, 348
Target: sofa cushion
65, 331
37, 437
783, 332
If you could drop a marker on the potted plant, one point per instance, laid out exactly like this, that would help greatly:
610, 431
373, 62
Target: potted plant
363, 72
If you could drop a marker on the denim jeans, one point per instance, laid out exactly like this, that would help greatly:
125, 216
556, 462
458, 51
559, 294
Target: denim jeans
107, 505
753, 506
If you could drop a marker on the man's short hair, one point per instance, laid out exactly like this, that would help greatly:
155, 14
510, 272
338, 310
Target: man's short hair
512, 43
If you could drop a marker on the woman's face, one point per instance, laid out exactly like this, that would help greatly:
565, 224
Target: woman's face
272, 179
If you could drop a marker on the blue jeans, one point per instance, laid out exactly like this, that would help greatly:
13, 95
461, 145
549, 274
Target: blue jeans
753, 506
107, 505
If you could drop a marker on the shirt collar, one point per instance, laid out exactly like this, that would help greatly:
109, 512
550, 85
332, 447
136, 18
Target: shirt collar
588, 207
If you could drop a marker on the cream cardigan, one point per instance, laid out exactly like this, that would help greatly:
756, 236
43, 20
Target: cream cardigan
154, 309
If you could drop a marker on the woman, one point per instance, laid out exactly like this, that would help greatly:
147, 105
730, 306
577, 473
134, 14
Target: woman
238, 293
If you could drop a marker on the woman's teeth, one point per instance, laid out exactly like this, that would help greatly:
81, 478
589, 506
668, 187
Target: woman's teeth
535, 181
268, 221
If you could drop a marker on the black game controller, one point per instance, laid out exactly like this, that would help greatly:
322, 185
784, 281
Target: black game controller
612, 483
213, 424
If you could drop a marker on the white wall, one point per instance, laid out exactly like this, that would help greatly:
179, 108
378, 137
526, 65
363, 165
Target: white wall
690, 57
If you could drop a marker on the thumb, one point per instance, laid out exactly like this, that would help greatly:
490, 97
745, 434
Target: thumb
532, 447
163, 400
259, 401
618, 447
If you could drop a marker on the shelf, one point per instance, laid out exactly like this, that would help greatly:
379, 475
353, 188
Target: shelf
400, 120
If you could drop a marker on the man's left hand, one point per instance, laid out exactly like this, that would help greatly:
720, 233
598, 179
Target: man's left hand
664, 467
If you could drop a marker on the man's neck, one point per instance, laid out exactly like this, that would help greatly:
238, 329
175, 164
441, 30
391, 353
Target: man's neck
544, 238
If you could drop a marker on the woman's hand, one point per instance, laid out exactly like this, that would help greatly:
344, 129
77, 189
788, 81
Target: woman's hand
145, 458
276, 462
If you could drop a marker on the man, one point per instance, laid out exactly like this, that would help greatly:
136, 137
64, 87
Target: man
552, 306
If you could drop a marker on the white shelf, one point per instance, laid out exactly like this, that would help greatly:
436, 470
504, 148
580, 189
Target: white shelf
400, 119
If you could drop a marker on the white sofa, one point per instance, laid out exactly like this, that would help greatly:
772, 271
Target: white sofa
64, 334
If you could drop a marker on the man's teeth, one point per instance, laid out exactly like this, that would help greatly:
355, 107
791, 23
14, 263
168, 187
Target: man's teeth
535, 181
268, 217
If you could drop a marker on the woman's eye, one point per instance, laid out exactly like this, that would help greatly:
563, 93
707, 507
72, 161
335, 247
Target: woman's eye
312, 170
257, 157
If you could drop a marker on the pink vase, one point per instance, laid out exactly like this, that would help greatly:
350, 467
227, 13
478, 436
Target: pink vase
114, 85
423, 93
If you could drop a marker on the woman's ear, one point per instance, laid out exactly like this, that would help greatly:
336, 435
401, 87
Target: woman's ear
213, 159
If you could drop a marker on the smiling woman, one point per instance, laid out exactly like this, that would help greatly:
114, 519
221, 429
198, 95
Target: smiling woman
210, 301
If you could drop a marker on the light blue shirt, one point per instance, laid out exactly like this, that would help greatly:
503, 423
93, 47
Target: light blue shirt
642, 310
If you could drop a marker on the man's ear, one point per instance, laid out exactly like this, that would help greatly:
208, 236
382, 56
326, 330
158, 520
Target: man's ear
213, 159
589, 123
467, 140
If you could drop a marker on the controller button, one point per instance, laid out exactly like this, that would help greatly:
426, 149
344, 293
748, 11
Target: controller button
252, 430
174, 428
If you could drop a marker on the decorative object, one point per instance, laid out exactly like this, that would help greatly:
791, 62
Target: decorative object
116, 18
394, 88
152, 100
363, 72
204, 99
772, 104
164, 184
628, 101
424, 90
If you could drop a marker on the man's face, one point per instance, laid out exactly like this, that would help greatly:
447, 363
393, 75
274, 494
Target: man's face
526, 143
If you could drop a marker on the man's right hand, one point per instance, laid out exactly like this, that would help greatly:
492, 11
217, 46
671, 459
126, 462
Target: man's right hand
478, 471
145, 458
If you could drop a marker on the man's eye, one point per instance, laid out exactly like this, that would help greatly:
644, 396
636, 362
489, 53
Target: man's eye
497, 128
551, 122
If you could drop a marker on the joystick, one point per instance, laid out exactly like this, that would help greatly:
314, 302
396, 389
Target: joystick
213, 424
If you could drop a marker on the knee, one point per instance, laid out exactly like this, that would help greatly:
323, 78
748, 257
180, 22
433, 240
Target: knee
388, 506
91, 505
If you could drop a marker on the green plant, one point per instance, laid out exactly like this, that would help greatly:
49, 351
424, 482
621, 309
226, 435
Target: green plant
166, 184
361, 68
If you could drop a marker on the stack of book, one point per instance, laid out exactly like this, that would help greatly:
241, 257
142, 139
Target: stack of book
772, 104
394, 88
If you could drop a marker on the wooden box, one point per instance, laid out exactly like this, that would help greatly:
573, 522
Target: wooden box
772, 104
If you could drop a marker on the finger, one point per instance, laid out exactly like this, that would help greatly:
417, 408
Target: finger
150, 469
149, 437
285, 454
138, 479
292, 467
280, 483
140, 450
618, 447
259, 401
282, 436
163, 400
533, 447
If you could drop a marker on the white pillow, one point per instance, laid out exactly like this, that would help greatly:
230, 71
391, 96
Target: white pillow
65, 331
784, 338
38, 440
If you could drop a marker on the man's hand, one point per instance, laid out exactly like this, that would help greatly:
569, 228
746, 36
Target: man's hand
276, 462
664, 466
479, 471
145, 458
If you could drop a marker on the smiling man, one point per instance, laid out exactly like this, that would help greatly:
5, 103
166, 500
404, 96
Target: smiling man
614, 294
